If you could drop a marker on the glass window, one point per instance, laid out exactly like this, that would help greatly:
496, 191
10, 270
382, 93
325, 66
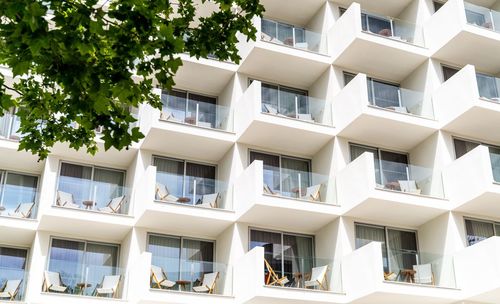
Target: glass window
394, 167
383, 94
12, 264
377, 25
348, 77
487, 86
448, 72
190, 107
462, 147
474, 17
478, 231
437, 5
16, 189
282, 100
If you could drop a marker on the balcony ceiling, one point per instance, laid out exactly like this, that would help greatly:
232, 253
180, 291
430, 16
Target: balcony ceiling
484, 3
288, 13
382, 7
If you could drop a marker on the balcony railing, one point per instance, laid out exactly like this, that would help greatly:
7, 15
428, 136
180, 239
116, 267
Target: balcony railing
419, 268
296, 184
489, 87
83, 280
86, 194
393, 97
191, 276
198, 113
13, 283
393, 28
296, 37
9, 126
407, 178
302, 272
482, 17
296, 106
191, 190
18, 201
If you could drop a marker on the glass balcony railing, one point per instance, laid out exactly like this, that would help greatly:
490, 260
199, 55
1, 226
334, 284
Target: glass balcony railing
83, 280
392, 28
489, 87
191, 276
406, 178
18, 201
197, 113
296, 37
302, 272
419, 268
495, 163
296, 106
482, 17
296, 184
86, 194
393, 97
191, 190
12, 283
9, 126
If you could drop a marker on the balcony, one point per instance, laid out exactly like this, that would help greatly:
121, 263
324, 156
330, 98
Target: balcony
471, 35
305, 201
13, 282
258, 114
9, 125
467, 104
478, 190
478, 276
372, 111
195, 124
189, 213
390, 192
435, 283
254, 283
396, 47
281, 50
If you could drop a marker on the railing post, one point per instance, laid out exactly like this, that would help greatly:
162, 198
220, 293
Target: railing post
296, 107
194, 192
197, 113
300, 188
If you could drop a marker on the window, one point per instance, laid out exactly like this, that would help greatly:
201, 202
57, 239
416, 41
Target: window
283, 33
13, 266
284, 174
390, 167
184, 179
17, 189
464, 146
399, 247
448, 72
182, 258
488, 86
290, 102
380, 93
437, 5
348, 77
82, 262
89, 183
286, 253
377, 25
191, 108
478, 231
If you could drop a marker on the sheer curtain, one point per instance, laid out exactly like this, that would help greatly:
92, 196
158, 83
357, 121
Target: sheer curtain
12, 264
166, 253
478, 231
298, 255
291, 169
270, 96
77, 180
368, 234
394, 167
204, 176
107, 185
206, 108
170, 173
175, 103
271, 168
487, 86
402, 249
271, 241
100, 260
384, 95
67, 259
18, 189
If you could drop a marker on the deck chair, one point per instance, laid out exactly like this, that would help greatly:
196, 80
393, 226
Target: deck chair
208, 284
268, 190
270, 109
209, 200
272, 278
114, 205
10, 289
23, 210
390, 276
52, 282
159, 278
167, 115
65, 199
409, 186
318, 278
162, 194
313, 193
423, 274
108, 287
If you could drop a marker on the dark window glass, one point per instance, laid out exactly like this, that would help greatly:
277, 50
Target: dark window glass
448, 72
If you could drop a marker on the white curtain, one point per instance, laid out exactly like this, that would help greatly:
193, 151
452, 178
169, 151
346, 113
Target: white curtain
298, 255
170, 173
166, 254
77, 180
18, 188
100, 260
67, 259
478, 231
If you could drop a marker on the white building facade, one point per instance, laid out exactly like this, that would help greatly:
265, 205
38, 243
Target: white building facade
353, 156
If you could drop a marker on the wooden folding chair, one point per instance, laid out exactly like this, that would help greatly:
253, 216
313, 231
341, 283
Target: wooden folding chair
273, 278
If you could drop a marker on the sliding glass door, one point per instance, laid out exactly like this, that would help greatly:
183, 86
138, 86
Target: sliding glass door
13, 266
290, 102
375, 24
478, 230
16, 189
190, 107
383, 94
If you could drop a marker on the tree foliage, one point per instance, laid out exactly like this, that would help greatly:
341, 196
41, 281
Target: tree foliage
83, 64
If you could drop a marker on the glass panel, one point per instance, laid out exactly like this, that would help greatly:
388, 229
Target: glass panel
292, 102
197, 259
285, 34
200, 180
298, 255
174, 102
394, 167
107, 185
66, 258
475, 17
270, 96
76, 179
101, 260
368, 234
462, 147
271, 169
495, 163
269, 27
12, 267
497, 229
356, 152
273, 250
296, 175
171, 174
478, 231
448, 72
166, 254
18, 189
201, 109
379, 25
402, 250
437, 5
384, 95
487, 86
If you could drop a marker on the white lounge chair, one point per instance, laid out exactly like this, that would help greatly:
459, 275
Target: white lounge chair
167, 115
423, 274
159, 278
270, 109
114, 205
52, 282
208, 284
109, 286
313, 193
10, 289
162, 194
268, 190
23, 210
318, 278
209, 200
65, 199
409, 186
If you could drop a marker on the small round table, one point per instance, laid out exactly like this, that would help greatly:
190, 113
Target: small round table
182, 284
299, 192
82, 287
298, 279
88, 204
408, 275
184, 200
